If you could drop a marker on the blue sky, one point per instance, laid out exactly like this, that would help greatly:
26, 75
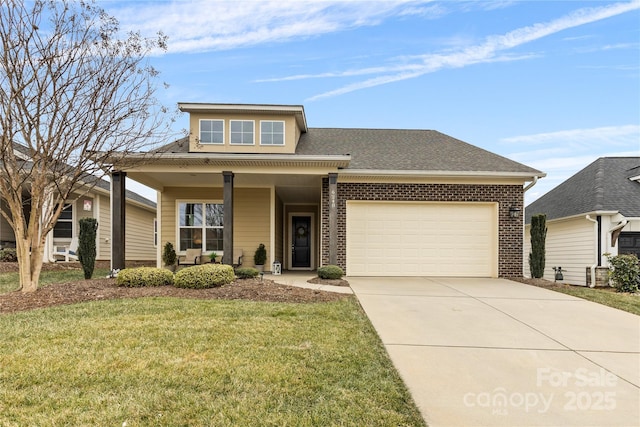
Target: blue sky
551, 84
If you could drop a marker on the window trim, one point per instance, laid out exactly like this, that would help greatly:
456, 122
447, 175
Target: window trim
284, 130
72, 221
203, 227
253, 133
200, 132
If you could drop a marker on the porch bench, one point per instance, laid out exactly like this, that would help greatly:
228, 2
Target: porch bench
191, 257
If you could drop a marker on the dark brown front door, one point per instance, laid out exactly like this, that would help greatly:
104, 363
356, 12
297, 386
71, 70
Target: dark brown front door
301, 247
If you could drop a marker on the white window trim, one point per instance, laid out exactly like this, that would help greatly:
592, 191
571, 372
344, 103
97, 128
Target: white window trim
200, 132
73, 224
284, 130
177, 210
253, 140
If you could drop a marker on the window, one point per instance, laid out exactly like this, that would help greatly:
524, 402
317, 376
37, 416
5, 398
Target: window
155, 232
64, 226
198, 220
242, 132
211, 131
271, 133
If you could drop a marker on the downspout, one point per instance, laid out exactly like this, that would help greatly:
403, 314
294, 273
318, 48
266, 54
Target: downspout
593, 267
524, 190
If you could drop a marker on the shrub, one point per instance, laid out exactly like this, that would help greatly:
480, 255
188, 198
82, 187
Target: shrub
144, 276
260, 256
538, 237
246, 272
169, 254
87, 245
204, 276
8, 255
625, 272
330, 272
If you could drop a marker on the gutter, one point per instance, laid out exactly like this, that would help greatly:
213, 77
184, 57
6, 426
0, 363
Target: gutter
593, 267
436, 173
531, 184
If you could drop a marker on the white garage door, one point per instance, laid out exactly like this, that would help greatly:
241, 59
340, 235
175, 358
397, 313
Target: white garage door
422, 239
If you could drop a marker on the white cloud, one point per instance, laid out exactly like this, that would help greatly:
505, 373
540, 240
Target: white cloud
493, 45
607, 134
204, 25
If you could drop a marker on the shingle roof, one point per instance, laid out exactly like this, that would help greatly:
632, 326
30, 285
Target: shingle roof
405, 149
604, 185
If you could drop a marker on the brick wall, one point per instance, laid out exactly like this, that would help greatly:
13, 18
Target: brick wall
510, 230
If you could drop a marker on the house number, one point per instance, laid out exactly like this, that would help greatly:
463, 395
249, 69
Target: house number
333, 198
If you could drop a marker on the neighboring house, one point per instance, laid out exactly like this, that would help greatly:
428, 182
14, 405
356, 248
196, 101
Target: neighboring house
373, 201
595, 212
140, 232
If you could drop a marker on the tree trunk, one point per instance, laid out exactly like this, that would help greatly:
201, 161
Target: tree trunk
29, 264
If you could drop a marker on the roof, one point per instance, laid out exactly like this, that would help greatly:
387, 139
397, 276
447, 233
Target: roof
395, 150
604, 185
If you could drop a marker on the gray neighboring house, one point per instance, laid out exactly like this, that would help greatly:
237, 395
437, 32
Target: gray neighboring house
377, 202
596, 211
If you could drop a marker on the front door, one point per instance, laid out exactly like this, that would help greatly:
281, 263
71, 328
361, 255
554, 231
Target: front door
301, 242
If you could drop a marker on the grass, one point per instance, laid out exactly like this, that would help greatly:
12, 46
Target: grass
606, 296
10, 281
164, 361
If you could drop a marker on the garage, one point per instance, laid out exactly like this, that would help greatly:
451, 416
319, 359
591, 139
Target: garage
422, 239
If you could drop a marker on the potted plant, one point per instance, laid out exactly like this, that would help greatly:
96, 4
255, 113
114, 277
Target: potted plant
212, 256
260, 257
169, 256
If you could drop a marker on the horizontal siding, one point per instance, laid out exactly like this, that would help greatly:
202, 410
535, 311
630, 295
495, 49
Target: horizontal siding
252, 224
570, 245
139, 234
104, 228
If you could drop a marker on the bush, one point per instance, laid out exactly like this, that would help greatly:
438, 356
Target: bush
246, 272
8, 255
144, 276
260, 256
87, 245
625, 272
204, 276
330, 272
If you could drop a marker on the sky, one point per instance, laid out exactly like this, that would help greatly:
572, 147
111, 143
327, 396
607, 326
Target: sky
551, 84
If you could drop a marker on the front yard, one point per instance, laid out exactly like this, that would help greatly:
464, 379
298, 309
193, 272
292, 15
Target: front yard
183, 361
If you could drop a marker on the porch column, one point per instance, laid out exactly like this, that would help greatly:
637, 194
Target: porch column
118, 203
333, 218
227, 233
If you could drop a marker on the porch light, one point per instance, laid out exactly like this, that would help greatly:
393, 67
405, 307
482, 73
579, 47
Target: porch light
514, 212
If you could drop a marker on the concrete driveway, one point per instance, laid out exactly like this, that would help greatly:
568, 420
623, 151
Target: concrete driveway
492, 352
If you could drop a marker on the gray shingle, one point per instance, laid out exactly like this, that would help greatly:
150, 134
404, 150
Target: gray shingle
604, 185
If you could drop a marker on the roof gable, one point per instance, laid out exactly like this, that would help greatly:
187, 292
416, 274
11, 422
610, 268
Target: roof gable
604, 185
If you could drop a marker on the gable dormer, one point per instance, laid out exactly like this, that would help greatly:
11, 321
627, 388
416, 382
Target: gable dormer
244, 128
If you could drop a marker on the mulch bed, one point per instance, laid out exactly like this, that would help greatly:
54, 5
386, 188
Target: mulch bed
106, 289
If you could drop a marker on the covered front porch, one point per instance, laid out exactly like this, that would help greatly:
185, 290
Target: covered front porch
235, 207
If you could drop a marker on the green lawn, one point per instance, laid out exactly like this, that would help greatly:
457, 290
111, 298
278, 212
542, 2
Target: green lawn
174, 362
606, 296
10, 281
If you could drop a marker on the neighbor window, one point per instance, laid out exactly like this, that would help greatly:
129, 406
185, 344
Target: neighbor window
241, 132
271, 133
64, 226
212, 131
200, 226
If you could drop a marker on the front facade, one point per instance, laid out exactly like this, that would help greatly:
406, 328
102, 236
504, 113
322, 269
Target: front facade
594, 213
373, 201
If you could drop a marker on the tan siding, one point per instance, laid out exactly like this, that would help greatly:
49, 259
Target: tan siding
279, 239
570, 245
104, 228
252, 216
139, 234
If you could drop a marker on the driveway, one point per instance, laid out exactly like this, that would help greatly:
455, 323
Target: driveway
492, 352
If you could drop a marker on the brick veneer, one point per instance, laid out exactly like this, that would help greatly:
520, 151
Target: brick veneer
510, 231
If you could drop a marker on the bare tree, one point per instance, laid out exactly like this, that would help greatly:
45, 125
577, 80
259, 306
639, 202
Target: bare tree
73, 91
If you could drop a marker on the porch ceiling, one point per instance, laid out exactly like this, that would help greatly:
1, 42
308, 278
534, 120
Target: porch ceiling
291, 188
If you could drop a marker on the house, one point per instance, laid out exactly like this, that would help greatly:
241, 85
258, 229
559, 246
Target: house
95, 203
595, 212
373, 201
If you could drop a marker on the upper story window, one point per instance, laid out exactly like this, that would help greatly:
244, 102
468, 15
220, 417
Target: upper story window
211, 131
241, 132
271, 133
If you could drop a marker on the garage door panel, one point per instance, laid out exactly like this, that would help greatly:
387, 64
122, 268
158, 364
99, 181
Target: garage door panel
408, 239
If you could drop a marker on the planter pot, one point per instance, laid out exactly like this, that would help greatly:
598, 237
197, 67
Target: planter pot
171, 268
260, 268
